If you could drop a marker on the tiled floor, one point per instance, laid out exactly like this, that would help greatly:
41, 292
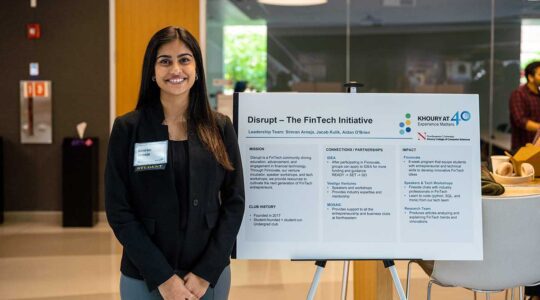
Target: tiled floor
43, 261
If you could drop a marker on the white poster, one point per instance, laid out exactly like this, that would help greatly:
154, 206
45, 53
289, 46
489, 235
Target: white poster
360, 176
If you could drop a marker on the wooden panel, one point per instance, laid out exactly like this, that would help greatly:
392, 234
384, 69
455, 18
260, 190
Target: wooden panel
136, 22
372, 281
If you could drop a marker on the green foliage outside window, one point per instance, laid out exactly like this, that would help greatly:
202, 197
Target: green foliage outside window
530, 42
529, 59
245, 55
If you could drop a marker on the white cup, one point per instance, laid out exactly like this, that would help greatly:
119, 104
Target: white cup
496, 160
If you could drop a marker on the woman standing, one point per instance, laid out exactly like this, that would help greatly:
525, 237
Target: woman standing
173, 180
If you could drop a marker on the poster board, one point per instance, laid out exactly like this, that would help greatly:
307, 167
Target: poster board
360, 176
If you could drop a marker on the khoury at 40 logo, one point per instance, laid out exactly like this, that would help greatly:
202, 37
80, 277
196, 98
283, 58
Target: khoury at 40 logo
405, 127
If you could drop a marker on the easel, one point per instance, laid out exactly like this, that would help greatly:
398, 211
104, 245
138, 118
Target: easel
352, 87
321, 264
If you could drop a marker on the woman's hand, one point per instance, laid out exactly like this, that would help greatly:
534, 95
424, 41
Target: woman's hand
196, 284
174, 289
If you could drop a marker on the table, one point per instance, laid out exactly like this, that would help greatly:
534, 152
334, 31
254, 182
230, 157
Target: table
523, 189
373, 282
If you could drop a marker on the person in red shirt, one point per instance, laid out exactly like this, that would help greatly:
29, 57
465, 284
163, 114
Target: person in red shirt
525, 120
525, 108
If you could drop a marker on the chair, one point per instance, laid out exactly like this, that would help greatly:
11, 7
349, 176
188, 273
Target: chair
511, 240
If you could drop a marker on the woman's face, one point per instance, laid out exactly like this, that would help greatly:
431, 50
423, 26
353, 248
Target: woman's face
175, 69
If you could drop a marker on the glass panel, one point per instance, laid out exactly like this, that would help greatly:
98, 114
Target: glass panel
419, 46
422, 46
414, 46
517, 39
304, 46
244, 48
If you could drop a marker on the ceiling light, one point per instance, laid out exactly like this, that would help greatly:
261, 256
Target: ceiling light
293, 2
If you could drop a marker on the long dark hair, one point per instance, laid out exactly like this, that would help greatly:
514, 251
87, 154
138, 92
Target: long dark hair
200, 114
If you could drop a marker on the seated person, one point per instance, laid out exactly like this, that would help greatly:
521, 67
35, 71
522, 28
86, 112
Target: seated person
525, 108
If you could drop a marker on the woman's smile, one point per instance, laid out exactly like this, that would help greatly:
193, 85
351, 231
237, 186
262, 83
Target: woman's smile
176, 80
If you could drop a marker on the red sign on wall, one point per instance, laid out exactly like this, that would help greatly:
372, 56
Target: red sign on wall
29, 90
33, 31
36, 89
39, 89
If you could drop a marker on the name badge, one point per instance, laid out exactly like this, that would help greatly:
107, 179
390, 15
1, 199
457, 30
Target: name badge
150, 156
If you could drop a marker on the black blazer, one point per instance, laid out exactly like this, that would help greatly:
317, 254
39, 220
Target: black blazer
143, 210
